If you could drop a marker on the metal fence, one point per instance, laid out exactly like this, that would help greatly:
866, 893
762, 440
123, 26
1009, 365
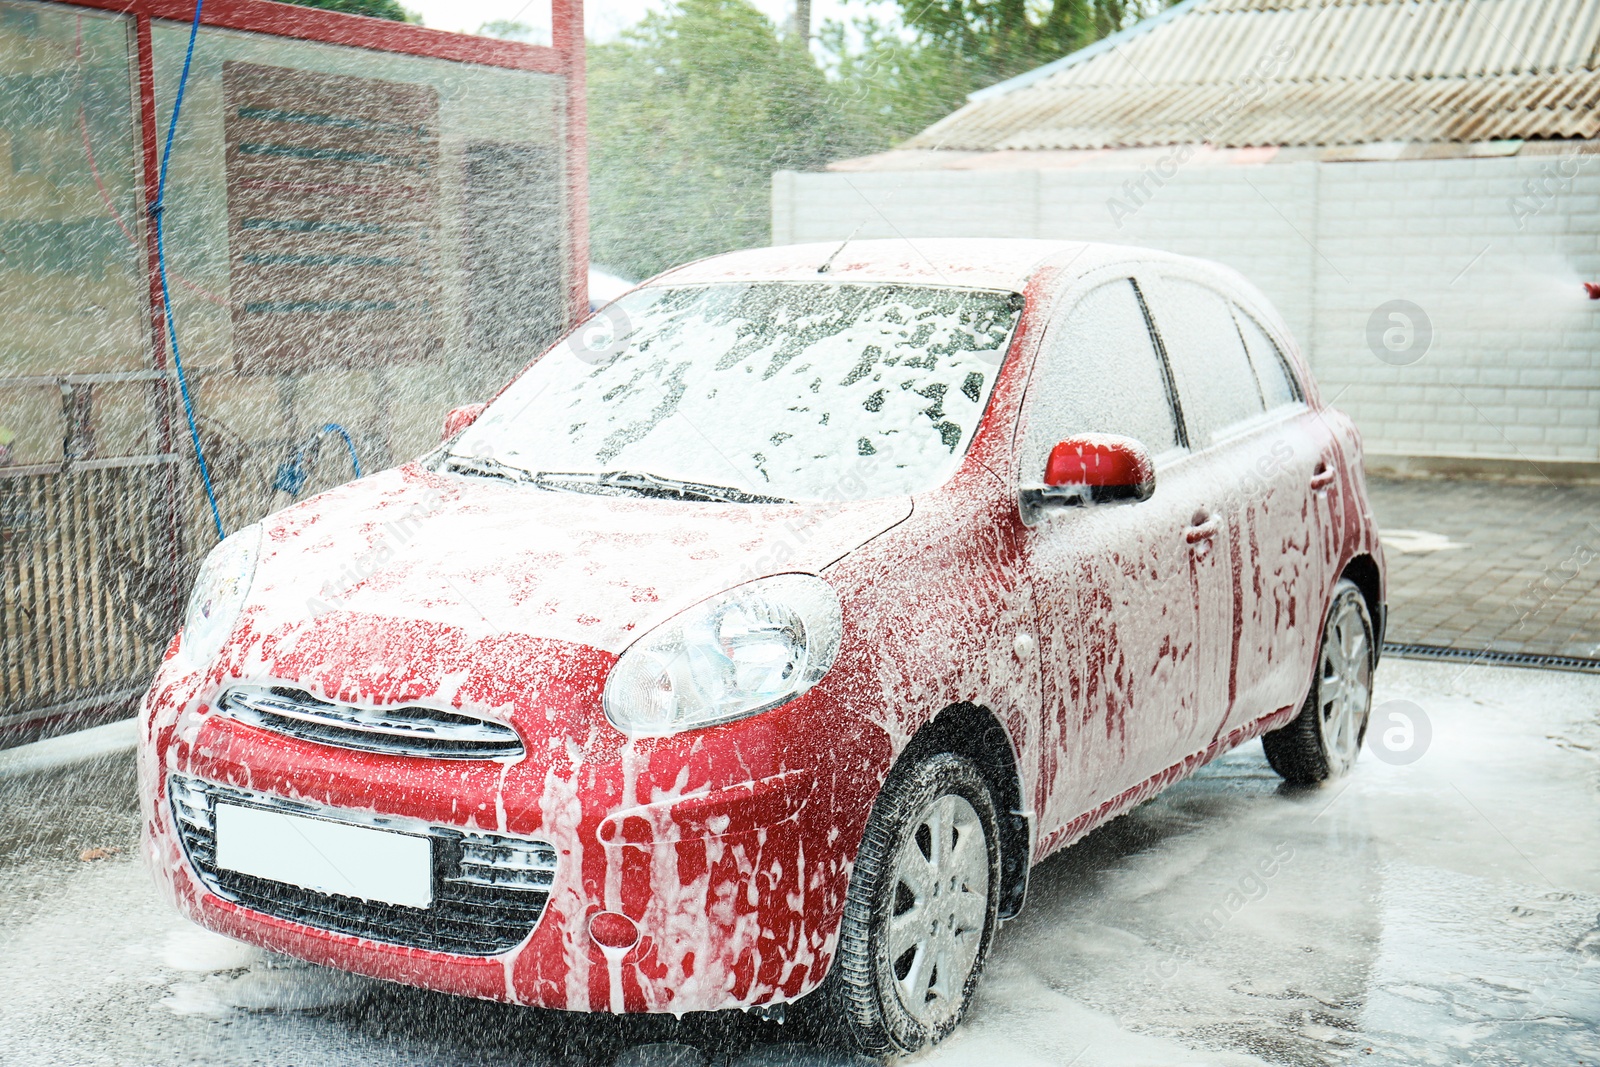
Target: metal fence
86, 558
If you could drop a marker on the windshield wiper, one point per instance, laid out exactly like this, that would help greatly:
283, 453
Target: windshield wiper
643, 483
607, 483
485, 467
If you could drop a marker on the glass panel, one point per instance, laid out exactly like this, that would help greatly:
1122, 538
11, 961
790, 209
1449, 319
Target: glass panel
1100, 373
73, 293
1216, 385
357, 238
805, 391
1277, 388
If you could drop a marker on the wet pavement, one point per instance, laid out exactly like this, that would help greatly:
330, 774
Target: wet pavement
1440, 906
1508, 566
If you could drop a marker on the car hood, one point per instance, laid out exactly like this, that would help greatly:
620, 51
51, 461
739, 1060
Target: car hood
493, 558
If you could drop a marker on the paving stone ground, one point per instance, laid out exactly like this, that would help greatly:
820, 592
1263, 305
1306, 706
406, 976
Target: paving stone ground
1507, 566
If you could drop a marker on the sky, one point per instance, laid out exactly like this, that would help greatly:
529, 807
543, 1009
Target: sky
603, 19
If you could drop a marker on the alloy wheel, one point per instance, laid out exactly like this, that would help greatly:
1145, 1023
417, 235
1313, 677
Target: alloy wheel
1344, 686
939, 908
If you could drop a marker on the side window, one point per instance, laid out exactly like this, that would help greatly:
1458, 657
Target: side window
1216, 385
1099, 372
1272, 370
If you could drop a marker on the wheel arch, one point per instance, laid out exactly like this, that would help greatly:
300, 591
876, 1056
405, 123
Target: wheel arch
973, 731
1363, 570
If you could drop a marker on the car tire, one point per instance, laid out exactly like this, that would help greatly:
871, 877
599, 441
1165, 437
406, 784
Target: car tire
1322, 742
924, 893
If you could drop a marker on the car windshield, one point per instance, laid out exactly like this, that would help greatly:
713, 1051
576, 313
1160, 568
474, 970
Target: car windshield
754, 391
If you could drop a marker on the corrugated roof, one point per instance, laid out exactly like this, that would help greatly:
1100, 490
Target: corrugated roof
1305, 72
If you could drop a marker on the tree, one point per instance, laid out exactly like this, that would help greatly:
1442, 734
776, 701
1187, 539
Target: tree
990, 40
378, 9
892, 85
690, 113
903, 75
508, 30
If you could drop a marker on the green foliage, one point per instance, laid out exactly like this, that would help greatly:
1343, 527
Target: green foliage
690, 113
378, 9
902, 76
990, 40
507, 30
892, 86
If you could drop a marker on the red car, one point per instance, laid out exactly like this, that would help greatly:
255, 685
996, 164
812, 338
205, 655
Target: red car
755, 642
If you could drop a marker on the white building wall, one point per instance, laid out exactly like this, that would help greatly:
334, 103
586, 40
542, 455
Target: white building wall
1492, 251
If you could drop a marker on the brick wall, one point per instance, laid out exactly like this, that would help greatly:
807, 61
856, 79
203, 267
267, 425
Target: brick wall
1491, 250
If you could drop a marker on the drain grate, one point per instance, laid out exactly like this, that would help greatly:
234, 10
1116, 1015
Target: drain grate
1494, 656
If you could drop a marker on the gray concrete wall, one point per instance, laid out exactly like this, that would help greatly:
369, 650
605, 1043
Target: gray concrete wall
1491, 251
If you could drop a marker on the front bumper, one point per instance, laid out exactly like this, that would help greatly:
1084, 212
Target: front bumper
731, 861
486, 892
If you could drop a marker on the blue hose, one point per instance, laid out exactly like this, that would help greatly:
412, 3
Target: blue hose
334, 427
166, 296
293, 473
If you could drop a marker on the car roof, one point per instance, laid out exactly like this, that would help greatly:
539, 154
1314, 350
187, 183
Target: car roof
968, 262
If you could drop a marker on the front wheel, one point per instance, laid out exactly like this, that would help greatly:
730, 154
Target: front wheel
922, 907
1323, 741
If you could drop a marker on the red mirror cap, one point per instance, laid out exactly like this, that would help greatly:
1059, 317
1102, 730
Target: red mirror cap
1100, 460
460, 418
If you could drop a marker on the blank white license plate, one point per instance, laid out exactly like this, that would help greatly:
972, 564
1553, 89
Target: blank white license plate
329, 857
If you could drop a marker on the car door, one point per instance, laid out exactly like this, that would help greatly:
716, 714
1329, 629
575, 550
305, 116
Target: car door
1287, 494
1117, 585
1258, 462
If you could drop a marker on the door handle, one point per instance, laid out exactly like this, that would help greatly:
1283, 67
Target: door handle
1201, 531
1322, 477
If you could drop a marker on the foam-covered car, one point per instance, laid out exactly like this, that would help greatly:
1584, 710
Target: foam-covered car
752, 645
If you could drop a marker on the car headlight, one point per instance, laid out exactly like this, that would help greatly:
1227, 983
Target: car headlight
218, 596
741, 652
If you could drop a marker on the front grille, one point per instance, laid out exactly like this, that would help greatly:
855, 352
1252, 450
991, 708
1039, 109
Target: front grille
488, 889
408, 731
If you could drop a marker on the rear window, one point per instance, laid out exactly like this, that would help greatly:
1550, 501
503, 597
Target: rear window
799, 390
1272, 370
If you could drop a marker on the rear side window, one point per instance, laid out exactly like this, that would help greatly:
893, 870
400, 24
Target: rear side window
1216, 384
1099, 372
1272, 371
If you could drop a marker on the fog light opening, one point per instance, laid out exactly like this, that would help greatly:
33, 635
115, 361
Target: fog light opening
613, 930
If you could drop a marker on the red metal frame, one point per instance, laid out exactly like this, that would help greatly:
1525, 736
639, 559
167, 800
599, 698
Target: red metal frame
144, 59
566, 35
359, 31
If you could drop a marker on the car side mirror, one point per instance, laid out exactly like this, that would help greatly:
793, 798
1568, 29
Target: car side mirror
1091, 468
460, 418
